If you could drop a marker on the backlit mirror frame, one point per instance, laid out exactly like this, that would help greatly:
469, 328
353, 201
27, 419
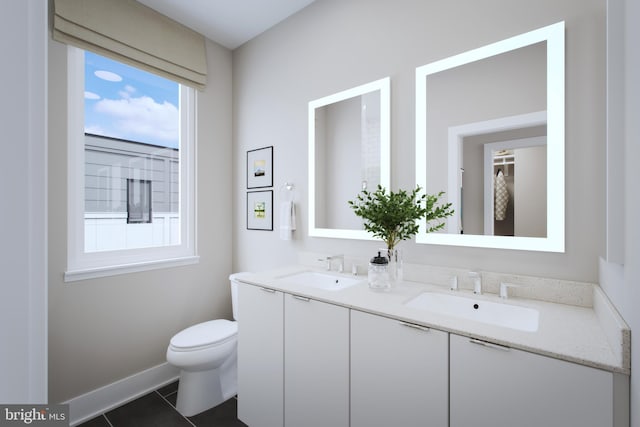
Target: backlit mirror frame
384, 87
554, 242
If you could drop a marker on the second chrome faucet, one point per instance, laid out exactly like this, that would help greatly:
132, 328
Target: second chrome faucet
329, 260
476, 279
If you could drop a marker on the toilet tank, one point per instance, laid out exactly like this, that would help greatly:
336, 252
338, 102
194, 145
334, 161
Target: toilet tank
233, 279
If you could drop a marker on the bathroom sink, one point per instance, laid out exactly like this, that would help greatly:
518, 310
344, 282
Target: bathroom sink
314, 279
494, 313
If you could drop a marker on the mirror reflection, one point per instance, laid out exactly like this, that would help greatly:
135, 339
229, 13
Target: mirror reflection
503, 186
490, 133
348, 152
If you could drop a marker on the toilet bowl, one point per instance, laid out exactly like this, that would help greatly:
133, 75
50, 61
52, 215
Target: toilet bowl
206, 355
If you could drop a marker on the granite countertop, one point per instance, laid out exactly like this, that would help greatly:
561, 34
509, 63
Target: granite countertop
594, 336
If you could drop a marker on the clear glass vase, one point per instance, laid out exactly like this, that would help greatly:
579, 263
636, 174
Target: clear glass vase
395, 265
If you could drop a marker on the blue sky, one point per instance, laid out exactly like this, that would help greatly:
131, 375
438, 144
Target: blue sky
127, 103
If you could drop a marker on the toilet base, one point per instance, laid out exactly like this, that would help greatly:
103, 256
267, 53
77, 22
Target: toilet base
199, 391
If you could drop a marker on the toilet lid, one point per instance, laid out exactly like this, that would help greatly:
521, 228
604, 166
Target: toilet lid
204, 334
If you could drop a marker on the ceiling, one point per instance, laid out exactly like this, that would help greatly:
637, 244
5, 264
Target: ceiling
228, 22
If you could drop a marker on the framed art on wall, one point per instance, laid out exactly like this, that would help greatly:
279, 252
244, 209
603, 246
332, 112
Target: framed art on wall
260, 167
260, 210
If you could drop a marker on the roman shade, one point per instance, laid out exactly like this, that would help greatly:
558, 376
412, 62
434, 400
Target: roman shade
133, 33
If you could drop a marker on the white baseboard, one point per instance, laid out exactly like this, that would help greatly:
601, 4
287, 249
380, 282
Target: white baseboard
89, 405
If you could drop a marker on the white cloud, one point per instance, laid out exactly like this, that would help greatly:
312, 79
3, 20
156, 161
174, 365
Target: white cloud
143, 117
90, 95
95, 130
108, 76
127, 92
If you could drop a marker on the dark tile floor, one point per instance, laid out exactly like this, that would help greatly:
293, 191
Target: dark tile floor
157, 409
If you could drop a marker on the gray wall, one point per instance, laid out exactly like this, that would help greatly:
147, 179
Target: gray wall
106, 329
334, 45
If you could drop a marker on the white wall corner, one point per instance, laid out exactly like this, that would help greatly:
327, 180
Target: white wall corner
615, 131
611, 278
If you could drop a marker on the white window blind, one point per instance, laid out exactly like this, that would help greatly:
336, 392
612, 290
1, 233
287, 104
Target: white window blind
133, 33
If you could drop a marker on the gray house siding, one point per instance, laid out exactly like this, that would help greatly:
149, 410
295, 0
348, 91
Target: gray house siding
110, 162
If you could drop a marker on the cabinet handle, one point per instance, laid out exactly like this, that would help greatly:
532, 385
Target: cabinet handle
488, 344
271, 291
414, 326
305, 299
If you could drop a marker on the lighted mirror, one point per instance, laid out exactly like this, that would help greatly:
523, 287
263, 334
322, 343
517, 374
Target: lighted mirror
349, 150
490, 134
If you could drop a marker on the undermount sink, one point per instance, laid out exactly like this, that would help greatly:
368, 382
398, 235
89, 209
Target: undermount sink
314, 279
500, 314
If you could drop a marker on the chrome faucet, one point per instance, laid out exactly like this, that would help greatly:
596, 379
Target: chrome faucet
453, 283
477, 282
330, 259
504, 293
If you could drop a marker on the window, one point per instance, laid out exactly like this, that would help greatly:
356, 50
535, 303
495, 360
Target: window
138, 201
131, 169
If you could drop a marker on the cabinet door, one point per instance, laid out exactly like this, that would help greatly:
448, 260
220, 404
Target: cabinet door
260, 356
399, 373
501, 387
316, 374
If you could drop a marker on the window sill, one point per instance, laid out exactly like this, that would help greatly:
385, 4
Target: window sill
114, 270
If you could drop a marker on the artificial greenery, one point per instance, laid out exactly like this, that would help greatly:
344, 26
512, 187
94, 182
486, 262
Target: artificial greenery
394, 217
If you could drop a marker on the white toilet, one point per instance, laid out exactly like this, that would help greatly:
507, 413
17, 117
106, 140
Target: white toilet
206, 354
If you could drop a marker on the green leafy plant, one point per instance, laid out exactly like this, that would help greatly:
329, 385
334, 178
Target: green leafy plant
394, 217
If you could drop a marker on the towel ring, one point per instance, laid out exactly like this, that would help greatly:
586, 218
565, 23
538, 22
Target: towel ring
287, 191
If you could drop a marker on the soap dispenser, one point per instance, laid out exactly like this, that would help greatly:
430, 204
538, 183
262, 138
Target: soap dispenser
378, 276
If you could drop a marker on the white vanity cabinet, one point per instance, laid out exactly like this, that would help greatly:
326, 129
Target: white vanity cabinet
316, 373
304, 362
498, 386
260, 356
399, 373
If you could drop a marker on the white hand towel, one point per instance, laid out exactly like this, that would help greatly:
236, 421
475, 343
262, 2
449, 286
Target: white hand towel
287, 220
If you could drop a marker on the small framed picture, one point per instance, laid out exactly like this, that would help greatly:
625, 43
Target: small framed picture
260, 210
260, 168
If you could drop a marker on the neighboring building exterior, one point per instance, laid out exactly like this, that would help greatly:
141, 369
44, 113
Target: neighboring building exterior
132, 195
